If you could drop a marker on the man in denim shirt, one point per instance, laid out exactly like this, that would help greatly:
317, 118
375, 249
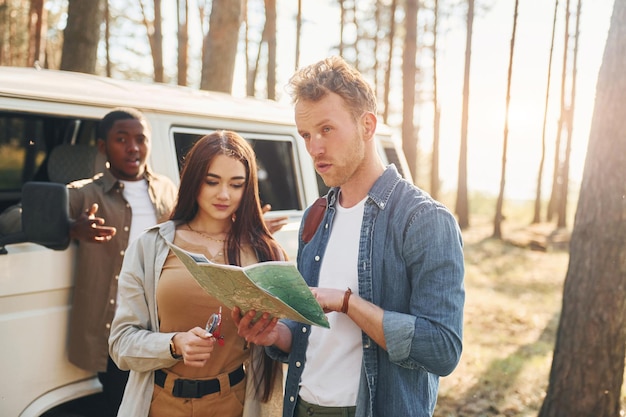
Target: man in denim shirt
386, 264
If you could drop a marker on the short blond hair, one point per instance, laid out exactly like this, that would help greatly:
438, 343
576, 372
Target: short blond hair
333, 75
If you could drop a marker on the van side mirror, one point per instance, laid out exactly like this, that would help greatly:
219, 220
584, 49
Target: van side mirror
45, 217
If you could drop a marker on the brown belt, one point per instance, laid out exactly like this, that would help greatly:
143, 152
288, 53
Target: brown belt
197, 388
304, 408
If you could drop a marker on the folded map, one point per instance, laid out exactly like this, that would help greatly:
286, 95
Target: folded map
275, 287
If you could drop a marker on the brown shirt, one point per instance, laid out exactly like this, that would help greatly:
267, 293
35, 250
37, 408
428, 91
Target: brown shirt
98, 264
183, 304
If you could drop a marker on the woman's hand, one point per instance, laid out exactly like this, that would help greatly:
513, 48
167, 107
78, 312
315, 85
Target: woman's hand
274, 224
196, 346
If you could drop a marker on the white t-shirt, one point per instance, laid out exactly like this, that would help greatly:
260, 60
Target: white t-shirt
333, 358
144, 214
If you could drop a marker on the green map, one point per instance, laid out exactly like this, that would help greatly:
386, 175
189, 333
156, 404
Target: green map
275, 287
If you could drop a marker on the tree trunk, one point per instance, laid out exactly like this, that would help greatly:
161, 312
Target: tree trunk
155, 38
182, 13
554, 194
270, 25
462, 203
81, 36
253, 71
250, 75
37, 28
497, 221
298, 35
157, 51
342, 25
220, 46
562, 207
107, 39
376, 38
355, 46
392, 35
537, 211
434, 165
409, 138
588, 363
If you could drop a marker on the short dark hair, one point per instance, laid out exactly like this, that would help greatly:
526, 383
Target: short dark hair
118, 113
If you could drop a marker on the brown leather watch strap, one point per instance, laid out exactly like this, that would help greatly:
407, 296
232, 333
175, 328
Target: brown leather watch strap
346, 300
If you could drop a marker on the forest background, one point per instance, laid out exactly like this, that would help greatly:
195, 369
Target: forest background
499, 94
275, 37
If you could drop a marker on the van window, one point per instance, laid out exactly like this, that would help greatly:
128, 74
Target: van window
276, 167
26, 141
393, 158
22, 150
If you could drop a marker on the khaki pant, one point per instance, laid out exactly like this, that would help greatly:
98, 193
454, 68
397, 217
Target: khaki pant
226, 403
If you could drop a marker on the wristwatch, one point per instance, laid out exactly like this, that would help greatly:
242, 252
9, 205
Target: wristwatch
173, 350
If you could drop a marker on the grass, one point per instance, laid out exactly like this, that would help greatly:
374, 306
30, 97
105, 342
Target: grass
512, 308
513, 300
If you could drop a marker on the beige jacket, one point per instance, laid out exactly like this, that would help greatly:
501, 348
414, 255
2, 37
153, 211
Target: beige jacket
136, 343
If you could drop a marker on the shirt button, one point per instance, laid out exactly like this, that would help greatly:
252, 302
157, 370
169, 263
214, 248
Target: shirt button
326, 226
304, 330
317, 258
108, 325
112, 301
127, 205
298, 364
117, 277
292, 399
126, 228
122, 252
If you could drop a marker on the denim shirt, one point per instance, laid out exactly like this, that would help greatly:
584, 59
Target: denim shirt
410, 263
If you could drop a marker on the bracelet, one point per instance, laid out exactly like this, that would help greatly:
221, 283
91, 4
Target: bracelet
346, 298
173, 350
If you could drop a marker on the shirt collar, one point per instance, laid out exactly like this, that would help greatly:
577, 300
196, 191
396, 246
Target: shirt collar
381, 190
110, 181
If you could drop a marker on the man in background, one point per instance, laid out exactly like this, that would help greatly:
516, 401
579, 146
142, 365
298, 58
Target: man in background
131, 198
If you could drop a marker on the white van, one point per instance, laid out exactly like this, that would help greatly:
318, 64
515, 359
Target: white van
48, 121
